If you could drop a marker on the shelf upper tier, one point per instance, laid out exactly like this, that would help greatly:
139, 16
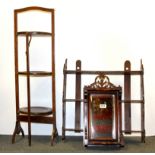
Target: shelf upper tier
35, 73
33, 33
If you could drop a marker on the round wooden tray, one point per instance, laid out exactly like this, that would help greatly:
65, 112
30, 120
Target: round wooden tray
35, 73
36, 110
34, 33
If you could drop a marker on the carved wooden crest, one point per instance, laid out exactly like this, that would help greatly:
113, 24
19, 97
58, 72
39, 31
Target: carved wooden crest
102, 81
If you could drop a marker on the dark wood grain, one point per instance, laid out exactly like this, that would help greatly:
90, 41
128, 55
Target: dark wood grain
127, 73
102, 126
127, 96
78, 97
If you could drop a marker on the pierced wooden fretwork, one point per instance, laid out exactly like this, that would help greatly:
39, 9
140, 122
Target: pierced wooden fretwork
101, 81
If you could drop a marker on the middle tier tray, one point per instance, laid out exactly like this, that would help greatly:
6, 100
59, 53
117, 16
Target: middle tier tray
35, 73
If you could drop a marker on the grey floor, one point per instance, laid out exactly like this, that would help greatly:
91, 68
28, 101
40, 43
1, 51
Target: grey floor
72, 144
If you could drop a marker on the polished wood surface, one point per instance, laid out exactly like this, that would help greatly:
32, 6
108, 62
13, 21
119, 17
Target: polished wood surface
102, 113
127, 96
31, 114
127, 74
36, 110
78, 96
35, 73
34, 33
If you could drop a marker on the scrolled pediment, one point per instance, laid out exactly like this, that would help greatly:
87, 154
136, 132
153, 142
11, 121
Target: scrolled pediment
102, 81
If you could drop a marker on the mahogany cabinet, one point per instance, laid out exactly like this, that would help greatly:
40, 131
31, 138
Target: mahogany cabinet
102, 113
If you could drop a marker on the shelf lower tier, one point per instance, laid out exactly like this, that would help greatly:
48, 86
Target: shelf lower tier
36, 119
37, 115
42, 111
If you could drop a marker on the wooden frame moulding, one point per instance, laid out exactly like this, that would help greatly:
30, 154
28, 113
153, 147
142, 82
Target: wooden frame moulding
127, 73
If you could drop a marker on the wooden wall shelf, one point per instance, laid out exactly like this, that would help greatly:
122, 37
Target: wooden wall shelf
127, 73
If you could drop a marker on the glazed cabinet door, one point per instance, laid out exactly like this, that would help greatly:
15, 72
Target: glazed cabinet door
102, 117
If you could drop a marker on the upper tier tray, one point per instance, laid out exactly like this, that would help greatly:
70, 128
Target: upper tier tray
33, 33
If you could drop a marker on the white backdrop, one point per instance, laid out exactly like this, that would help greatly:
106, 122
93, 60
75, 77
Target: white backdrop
103, 34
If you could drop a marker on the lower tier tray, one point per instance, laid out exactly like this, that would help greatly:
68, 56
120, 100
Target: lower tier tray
36, 110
